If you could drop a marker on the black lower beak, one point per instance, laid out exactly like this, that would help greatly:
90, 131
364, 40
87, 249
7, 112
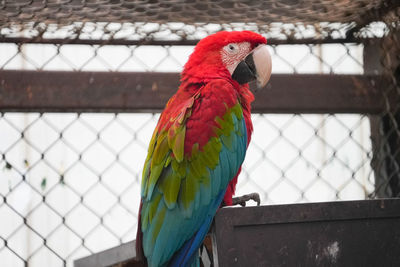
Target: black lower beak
245, 71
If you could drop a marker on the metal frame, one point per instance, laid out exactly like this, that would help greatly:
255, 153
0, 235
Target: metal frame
184, 42
67, 91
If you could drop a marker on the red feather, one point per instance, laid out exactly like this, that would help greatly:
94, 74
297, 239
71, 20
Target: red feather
205, 62
203, 66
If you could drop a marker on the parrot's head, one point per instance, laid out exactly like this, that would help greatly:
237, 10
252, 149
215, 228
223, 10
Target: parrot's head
241, 56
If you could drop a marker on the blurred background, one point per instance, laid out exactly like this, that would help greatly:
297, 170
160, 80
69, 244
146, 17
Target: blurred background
70, 175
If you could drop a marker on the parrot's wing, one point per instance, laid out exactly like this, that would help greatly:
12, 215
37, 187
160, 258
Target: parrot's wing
182, 187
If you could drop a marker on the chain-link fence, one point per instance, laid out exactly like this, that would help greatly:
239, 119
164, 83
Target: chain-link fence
69, 180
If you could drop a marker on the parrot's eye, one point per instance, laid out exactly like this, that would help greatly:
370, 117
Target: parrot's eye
231, 48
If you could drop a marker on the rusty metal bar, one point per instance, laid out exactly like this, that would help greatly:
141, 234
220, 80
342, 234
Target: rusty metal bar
63, 91
372, 55
272, 41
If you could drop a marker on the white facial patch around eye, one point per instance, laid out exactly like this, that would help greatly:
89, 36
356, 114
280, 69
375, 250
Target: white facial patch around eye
231, 48
233, 53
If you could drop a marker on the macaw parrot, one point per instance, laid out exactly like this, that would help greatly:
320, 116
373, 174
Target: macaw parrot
198, 147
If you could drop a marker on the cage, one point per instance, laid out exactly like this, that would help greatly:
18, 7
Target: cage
82, 84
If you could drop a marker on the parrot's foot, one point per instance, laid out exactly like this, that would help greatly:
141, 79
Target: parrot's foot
243, 199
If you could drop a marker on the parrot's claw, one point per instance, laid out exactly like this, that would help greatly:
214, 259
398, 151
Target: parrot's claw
243, 199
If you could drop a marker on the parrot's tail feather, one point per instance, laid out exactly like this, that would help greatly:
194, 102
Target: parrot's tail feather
188, 254
139, 237
195, 261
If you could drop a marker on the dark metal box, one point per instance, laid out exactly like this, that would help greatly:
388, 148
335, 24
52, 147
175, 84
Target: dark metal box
352, 233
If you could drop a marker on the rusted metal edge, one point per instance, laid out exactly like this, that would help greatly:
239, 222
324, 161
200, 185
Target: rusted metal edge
310, 212
109, 257
64, 91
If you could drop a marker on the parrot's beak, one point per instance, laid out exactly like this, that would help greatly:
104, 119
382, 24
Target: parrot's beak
256, 66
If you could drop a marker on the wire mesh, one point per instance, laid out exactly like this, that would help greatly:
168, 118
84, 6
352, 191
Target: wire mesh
176, 20
76, 177
303, 58
192, 11
69, 182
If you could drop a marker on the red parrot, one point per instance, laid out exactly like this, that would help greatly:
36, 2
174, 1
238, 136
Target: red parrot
198, 147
